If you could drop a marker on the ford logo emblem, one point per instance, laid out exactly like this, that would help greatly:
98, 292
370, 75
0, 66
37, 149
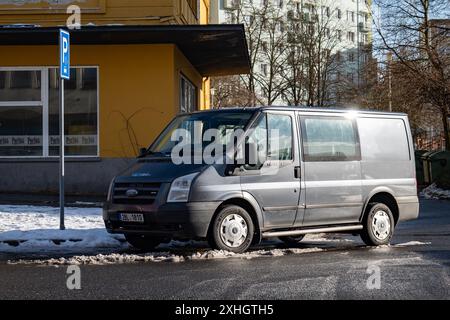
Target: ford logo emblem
132, 193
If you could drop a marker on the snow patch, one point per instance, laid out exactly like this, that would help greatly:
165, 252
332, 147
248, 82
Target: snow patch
29, 229
328, 237
411, 243
116, 258
25, 218
433, 192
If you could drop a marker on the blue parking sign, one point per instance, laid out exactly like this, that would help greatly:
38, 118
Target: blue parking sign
64, 50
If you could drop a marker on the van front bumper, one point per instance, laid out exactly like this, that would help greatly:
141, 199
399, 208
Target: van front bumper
174, 220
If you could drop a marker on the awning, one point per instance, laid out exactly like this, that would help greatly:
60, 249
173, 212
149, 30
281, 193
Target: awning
214, 50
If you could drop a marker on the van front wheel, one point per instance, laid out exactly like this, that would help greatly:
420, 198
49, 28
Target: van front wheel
378, 225
232, 229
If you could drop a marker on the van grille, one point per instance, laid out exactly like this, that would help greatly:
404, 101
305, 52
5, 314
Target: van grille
146, 193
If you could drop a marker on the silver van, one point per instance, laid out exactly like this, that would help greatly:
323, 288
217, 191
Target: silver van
323, 171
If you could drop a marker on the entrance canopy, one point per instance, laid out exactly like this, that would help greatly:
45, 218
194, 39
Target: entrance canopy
214, 50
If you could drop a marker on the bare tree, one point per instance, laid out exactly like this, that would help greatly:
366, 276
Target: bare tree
272, 55
419, 46
313, 64
294, 53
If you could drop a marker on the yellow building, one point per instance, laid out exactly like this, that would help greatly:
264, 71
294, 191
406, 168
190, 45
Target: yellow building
135, 65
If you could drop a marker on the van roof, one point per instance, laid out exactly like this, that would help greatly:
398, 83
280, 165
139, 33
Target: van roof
303, 109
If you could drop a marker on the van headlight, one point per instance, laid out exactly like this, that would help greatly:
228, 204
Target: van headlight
180, 187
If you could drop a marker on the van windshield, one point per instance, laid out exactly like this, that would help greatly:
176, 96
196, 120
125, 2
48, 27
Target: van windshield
196, 124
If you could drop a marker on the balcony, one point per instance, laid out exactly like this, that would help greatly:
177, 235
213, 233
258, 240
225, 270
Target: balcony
363, 27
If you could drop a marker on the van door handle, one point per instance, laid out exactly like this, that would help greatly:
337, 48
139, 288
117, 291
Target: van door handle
298, 172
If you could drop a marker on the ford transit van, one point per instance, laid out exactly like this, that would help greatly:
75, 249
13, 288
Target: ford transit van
277, 172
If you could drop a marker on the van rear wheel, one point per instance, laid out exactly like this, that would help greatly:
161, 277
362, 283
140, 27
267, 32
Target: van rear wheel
232, 229
292, 240
378, 225
144, 243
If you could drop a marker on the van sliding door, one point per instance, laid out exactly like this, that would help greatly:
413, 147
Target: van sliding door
332, 164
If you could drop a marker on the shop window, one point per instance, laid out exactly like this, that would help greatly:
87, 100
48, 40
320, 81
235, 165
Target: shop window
20, 85
80, 121
25, 130
20, 131
188, 96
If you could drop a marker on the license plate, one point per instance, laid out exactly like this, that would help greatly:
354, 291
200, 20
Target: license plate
132, 217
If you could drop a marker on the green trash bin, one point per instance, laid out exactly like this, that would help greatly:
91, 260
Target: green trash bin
439, 163
419, 167
426, 163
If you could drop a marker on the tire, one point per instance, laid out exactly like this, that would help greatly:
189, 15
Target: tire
232, 230
144, 243
292, 240
378, 225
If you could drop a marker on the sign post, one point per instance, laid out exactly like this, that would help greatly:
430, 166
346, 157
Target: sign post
64, 74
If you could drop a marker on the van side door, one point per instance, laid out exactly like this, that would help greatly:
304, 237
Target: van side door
274, 182
332, 169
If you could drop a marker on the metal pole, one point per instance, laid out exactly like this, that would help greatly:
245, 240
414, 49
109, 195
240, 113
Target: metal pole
358, 54
61, 154
389, 58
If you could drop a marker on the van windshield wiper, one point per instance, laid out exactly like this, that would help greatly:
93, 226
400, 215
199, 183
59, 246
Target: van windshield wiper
156, 153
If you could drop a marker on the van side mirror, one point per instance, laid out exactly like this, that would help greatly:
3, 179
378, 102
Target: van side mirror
142, 152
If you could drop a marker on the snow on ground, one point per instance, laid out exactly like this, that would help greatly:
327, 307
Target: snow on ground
35, 229
433, 192
411, 243
24, 218
116, 258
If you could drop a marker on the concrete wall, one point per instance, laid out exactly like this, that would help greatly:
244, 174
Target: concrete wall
83, 177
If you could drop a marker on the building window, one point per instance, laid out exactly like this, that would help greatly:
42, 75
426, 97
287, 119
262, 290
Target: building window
351, 36
264, 46
339, 13
29, 112
330, 139
188, 95
264, 69
351, 16
364, 39
249, 19
351, 56
350, 77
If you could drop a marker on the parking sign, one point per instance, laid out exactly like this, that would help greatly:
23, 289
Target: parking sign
64, 49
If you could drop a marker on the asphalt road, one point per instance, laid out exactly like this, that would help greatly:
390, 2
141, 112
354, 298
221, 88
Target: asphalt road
342, 271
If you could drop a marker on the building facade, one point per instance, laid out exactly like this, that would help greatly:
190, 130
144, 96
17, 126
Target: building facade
134, 66
341, 27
